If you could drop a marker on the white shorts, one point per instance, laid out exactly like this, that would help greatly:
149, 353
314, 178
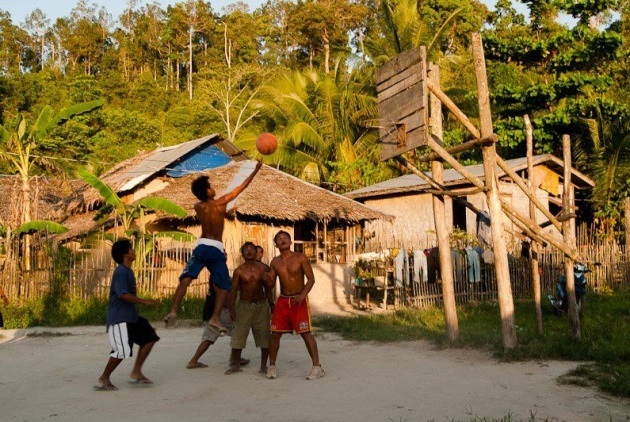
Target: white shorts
119, 340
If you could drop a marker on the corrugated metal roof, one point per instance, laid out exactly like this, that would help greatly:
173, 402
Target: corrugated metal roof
159, 160
413, 183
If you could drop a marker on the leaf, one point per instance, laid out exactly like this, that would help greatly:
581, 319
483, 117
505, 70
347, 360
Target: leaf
5, 135
179, 236
103, 188
41, 226
39, 128
161, 204
75, 110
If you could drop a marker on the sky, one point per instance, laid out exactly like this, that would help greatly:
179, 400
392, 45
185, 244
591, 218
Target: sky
53, 9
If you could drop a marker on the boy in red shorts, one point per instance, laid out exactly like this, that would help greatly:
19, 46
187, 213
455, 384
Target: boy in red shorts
291, 312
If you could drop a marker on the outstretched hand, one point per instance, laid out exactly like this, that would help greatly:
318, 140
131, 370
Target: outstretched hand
170, 319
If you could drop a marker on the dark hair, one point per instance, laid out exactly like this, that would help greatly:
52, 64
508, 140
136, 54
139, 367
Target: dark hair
279, 233
120, 248
246, 244
260, 247
200, 187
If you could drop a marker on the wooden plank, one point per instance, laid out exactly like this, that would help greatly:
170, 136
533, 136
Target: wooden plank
400, 63
414, 73
400, 82
404, 104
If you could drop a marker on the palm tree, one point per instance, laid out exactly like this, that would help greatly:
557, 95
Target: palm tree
404, 29
604, 150
322, 120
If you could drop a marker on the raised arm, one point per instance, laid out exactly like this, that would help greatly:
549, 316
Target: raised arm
240, 188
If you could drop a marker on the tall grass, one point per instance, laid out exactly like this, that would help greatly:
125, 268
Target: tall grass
55, 311
605, 326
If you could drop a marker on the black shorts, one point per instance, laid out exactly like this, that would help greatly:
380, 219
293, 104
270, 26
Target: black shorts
141, 332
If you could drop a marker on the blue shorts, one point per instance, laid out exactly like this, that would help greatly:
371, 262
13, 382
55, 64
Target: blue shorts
214, 260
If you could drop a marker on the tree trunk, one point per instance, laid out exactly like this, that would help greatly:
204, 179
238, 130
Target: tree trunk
326, 53
439, 211
190, 63
504, 289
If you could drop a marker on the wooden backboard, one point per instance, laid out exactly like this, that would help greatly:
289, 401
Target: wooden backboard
403, 103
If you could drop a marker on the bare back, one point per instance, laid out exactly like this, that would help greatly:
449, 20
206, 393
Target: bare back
291, 268
211, 214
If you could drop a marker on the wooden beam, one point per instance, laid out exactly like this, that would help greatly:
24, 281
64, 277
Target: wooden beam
454, 163
453, 108
502, 270
439, 211
459, 148
534, 228
569, 238
528, 192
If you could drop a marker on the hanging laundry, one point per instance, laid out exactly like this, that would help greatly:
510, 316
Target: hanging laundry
400, 263
420, 270
484, 235
474, 266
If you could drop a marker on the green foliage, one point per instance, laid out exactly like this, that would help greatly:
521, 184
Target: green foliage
54, 310
41, 226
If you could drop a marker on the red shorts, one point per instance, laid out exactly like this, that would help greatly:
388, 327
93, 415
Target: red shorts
289, 316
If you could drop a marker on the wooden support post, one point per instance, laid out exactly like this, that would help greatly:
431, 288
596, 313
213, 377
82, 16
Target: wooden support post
533, 248
439, 211
504, 289
569, 239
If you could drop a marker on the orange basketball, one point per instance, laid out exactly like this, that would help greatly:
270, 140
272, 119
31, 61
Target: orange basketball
266, 144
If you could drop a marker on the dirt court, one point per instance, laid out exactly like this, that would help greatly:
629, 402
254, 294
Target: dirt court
51, 377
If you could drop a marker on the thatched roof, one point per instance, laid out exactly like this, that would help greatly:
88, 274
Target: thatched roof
410, 183
275, 195
45, 192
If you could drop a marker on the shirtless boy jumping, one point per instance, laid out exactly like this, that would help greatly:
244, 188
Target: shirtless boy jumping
209, 251
291, 312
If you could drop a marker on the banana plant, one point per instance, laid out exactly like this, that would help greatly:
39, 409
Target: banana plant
128, 213
18, 145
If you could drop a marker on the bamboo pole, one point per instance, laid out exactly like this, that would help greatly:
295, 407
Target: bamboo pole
439, 212
504, 289
533, 250
569, 239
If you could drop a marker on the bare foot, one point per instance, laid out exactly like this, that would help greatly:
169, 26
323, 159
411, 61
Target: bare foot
217, 327
244, 362
139, 379
263, 369
195, 365
104, 384
233, 369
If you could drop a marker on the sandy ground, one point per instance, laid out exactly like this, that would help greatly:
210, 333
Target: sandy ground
51, 378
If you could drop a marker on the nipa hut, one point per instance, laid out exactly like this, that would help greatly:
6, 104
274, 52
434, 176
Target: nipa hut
324, 225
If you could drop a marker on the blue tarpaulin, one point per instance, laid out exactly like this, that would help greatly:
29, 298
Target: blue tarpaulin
207, 158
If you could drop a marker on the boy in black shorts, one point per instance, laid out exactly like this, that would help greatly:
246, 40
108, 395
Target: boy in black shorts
124, 325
